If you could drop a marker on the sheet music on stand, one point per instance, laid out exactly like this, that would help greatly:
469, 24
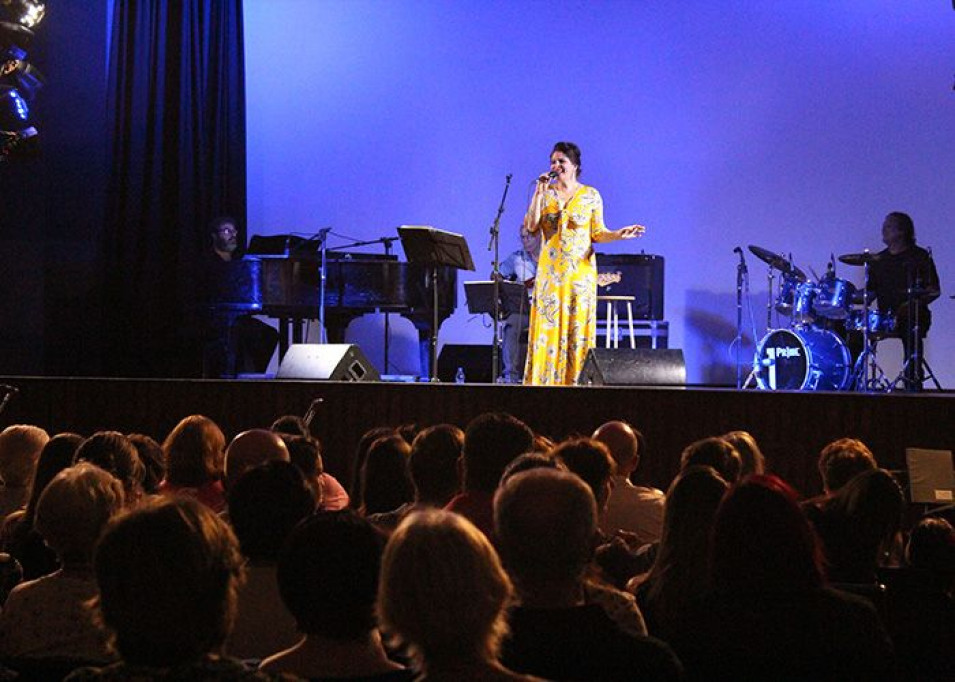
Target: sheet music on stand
480, 297
432, 247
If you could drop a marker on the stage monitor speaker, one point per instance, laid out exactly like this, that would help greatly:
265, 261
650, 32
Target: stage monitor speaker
327, 362
474, 359
633, 367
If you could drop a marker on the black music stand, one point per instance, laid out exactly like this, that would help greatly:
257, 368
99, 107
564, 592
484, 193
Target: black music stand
512, 297
432, 247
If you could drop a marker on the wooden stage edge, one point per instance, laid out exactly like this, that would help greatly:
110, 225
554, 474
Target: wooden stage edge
791, 427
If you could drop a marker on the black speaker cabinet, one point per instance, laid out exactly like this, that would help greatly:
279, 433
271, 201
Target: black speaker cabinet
474, 359
633, 367
327, 362
638, 275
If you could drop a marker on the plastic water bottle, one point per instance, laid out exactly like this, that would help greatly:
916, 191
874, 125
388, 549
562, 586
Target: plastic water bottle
459, 376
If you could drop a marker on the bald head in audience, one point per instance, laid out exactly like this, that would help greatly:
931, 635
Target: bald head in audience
621, 440
251, 448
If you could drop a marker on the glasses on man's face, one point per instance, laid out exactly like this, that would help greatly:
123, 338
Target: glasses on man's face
227, 230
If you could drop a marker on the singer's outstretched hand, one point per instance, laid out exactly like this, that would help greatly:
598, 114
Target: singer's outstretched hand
631, 231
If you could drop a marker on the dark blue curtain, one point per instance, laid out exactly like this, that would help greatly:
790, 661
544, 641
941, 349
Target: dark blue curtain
177, 159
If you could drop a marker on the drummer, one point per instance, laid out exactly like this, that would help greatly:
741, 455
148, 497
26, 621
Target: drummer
898, 271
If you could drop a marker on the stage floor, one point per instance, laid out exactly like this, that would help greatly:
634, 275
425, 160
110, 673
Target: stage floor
791, 427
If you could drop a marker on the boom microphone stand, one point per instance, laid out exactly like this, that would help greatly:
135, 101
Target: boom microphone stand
494, 245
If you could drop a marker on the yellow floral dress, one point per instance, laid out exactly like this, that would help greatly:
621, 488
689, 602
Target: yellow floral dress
563, 323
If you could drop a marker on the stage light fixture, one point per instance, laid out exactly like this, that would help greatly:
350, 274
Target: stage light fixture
28, 13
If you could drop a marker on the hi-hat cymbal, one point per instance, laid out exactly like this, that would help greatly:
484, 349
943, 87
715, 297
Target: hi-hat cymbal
859, 258
774, 260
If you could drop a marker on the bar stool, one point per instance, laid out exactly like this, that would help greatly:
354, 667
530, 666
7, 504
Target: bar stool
612, 324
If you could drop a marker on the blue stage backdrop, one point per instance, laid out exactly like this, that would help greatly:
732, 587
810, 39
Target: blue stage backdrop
794, 126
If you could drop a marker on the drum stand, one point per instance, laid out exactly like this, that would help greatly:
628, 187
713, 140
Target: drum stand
916, 356
867, 375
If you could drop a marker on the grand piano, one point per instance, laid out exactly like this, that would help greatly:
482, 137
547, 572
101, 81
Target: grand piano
286, 287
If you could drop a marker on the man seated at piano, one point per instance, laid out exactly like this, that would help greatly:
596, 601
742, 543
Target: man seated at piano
234, 342
520, 266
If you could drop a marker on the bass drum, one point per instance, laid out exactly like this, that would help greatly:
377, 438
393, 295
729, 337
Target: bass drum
804, 359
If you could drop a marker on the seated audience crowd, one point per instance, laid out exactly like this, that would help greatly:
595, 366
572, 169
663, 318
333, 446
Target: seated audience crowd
484, 553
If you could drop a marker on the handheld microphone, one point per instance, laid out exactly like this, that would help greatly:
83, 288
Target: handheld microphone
549, 176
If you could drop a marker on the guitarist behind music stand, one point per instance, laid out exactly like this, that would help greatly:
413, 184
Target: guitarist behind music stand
905, 282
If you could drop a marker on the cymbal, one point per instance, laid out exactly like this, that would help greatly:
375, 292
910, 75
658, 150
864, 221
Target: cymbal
774, 260
859, 258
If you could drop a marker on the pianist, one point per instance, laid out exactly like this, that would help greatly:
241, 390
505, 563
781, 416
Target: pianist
234, 342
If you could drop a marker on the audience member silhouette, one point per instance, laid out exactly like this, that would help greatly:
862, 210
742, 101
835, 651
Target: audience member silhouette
768, 614
265, 504
680, 571
332, 495
841, 460
435, 473
328, 579
491, 441
714, 452
113, 452
921, 604
20, 537
194, 452
154, 461
167, 574
752, 460
385, 479
632, 508
49, 618
361, 452
443, 592
250, 449
859, 527
20, 446
563, 627
591, 460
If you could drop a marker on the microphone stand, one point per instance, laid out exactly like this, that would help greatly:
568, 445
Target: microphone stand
494, 245
322, 237
741, 274
387, 242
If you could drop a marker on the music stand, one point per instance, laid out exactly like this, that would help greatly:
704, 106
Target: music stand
512, 297
432, 247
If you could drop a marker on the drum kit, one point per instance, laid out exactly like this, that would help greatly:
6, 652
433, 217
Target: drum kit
811, 354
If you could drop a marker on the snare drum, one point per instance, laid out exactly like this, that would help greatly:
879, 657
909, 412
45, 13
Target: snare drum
833, 298
880, 324
806, 359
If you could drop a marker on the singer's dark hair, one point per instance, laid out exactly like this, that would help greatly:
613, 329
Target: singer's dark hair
904, 222
572, 152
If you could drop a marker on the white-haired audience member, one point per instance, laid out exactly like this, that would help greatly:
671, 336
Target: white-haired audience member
49, 617
545, 524
20, 446
443, 592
